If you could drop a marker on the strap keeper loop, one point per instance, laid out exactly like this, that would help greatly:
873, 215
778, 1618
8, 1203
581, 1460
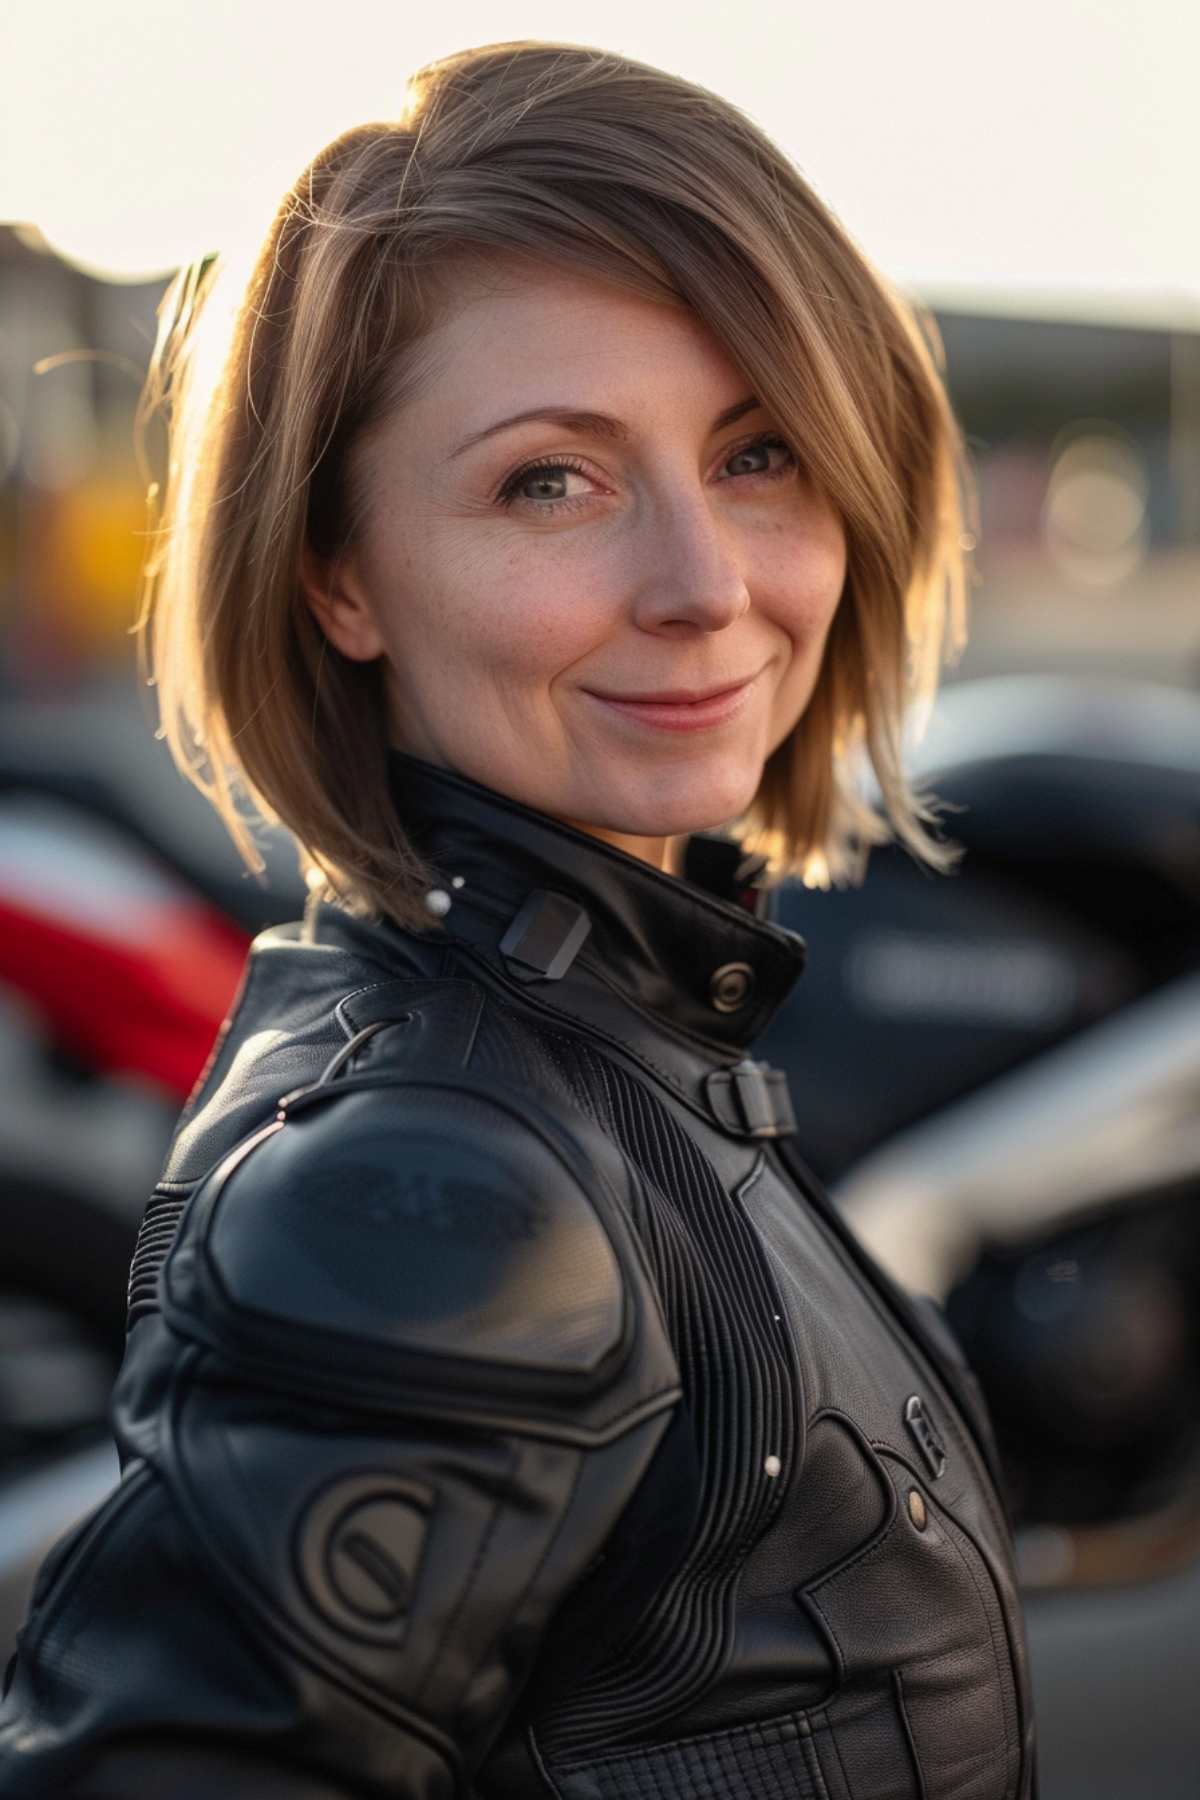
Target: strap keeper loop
751, 1099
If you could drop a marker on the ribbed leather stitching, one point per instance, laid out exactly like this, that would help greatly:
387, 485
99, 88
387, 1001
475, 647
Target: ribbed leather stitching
737, 1381
156, 1234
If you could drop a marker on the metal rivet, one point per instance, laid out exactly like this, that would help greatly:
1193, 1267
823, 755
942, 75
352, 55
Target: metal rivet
916, 1509
457, 881
731, 986
438, 902
772, 1466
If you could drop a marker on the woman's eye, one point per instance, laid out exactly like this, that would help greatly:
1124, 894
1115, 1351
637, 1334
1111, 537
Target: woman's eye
551, 470
765, 443
545, 474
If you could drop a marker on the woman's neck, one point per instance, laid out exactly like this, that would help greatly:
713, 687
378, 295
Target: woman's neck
664, 853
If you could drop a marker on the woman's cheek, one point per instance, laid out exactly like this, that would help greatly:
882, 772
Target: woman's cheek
541, 638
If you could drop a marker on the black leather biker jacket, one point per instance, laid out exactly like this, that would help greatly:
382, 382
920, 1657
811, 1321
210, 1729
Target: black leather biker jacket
506, 1411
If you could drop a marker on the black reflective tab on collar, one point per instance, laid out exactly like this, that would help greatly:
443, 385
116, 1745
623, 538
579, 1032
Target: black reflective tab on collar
751, 1099
545, 937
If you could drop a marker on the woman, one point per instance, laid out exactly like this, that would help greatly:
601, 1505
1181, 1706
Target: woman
505, 1410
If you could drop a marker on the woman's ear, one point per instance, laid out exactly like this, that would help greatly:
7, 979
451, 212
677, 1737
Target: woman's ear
336, 595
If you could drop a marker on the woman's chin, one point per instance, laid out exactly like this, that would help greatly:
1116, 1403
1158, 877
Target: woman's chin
675, 808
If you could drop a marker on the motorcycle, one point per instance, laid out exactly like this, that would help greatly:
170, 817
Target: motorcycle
124, 922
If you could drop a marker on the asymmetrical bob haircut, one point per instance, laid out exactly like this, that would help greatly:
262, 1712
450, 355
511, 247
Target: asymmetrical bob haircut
610, 168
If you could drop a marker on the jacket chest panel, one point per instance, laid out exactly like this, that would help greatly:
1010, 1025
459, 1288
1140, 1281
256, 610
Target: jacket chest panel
853, 1359
873, 1616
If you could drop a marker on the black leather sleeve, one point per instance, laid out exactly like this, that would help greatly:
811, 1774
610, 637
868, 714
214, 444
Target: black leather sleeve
406, 1375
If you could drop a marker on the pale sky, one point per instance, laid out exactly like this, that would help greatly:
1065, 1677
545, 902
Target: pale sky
1033, 155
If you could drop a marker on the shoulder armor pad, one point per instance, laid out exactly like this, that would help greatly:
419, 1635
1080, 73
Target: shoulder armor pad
411, 1230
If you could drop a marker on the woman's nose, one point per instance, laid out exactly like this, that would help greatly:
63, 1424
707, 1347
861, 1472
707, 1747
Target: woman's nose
692, 579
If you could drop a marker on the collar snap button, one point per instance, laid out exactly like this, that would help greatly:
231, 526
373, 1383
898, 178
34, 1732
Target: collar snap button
731, 986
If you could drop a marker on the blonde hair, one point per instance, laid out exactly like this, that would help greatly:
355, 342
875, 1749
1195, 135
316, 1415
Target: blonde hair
610, 168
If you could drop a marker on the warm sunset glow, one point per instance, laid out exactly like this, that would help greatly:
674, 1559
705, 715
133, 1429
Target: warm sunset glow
1046, 164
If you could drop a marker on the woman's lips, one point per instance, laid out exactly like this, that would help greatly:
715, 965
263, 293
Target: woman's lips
681, 715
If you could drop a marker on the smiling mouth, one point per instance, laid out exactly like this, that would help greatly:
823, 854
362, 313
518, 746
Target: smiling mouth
675, 696
680, 709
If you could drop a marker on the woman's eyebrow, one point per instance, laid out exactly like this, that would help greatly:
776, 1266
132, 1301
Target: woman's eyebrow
590, 424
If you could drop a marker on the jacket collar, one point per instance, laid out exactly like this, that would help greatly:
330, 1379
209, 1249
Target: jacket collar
566, 914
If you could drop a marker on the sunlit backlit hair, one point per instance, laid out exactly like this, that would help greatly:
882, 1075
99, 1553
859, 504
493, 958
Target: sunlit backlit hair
614, 169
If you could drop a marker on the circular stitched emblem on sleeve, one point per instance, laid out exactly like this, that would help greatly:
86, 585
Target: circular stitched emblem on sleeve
358, 1550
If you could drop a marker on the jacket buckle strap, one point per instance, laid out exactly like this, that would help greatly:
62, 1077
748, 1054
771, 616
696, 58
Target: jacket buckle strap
751, 1099
545, 937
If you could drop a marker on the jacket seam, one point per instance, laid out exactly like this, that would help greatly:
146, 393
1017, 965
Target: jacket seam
250, 969
1001, 1682
539, 1762
1011, 1658
909, 1737
815, 1770
477, 1563
571, 1023
549, 1547
837, 1749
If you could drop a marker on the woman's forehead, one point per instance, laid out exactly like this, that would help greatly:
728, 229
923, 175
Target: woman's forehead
540, 335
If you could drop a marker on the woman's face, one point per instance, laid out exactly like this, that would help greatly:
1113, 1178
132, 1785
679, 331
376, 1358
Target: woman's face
557, 632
